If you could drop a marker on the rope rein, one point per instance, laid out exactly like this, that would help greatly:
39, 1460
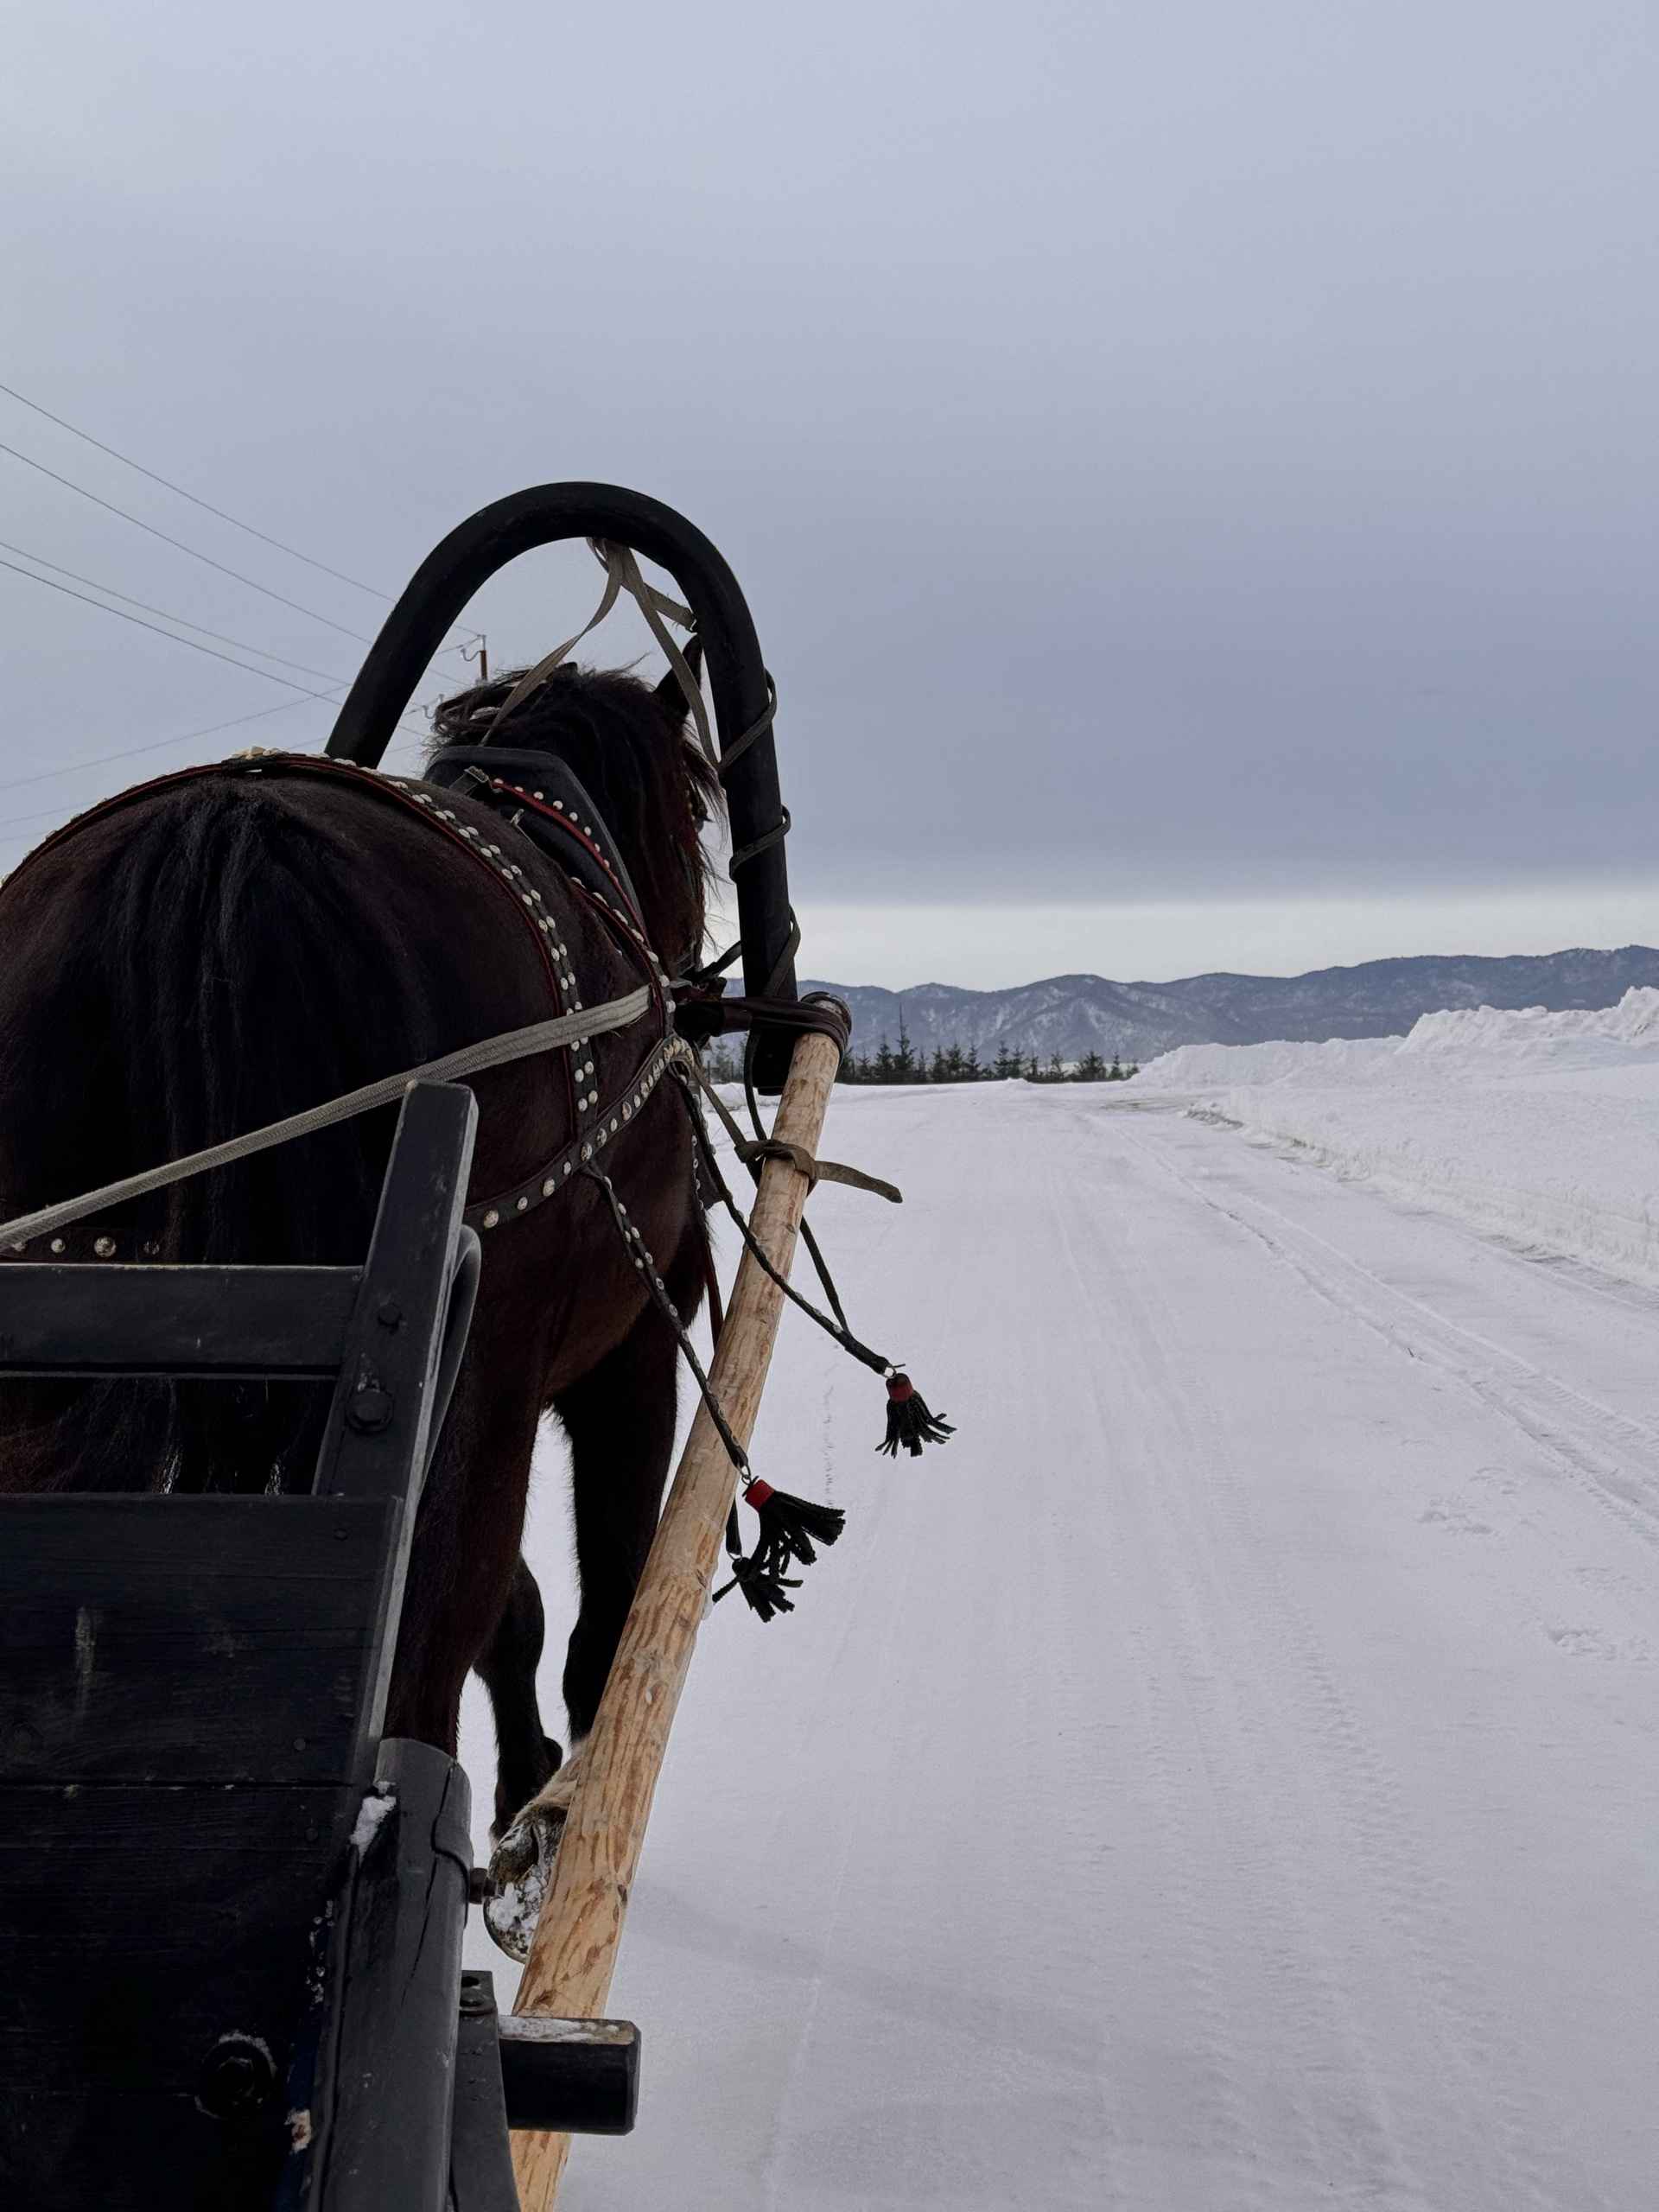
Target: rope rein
789, 1525
622, 574
496, 1051
709, 1165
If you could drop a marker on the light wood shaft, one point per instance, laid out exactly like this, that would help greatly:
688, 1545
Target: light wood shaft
574, 1952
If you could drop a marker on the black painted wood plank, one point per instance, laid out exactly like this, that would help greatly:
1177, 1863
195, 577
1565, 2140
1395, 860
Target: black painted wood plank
575, 2076
282, 1324
98, 2149
137, 1926
380, 1422
187, 1639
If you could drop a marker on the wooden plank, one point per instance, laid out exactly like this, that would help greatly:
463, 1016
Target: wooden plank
481, 2159
380, 1422
380, 2104
582, 2077
93, 2148
280, 1324
383, 1404
574, 1953
187, 1639
136, 1926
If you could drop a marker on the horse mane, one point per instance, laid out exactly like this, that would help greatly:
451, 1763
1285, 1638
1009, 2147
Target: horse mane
628, 745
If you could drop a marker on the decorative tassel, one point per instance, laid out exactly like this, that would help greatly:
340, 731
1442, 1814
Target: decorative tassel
789, 1527
909, 1421
763, 1590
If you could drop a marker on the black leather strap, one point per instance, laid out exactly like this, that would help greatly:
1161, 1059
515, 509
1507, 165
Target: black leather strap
699, 1015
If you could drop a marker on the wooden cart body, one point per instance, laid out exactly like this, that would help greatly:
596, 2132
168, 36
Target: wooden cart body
231, 1911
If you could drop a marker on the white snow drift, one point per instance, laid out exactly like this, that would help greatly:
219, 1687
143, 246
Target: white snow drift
1536, 1127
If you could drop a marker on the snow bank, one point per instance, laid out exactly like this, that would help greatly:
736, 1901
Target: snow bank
1536, 1127
1634, 1021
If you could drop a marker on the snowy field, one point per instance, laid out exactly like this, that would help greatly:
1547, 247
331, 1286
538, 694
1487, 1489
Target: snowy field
1222, 1777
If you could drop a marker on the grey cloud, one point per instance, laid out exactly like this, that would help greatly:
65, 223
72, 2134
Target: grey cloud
1168, 447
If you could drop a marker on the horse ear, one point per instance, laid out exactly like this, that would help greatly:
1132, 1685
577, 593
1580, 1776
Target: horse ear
670, 696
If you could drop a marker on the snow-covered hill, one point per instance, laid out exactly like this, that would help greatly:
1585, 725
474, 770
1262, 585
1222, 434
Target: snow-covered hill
1075, 1014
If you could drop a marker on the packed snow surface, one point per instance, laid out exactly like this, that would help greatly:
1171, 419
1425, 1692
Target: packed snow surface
1224, 1775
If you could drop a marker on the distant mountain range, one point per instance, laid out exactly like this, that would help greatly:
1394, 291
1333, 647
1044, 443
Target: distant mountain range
1075, 1014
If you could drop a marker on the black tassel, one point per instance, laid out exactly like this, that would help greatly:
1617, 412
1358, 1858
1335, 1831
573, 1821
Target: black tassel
764, 1590
788, 1526
909, 1421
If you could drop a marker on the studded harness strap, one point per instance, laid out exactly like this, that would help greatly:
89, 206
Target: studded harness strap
580, 847
595, 874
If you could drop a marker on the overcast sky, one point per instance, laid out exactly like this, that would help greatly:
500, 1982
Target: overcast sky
1190, 455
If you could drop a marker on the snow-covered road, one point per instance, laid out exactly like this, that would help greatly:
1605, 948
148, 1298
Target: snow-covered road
1224, 1775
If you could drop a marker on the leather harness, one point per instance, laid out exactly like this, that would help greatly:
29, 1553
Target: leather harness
540, 799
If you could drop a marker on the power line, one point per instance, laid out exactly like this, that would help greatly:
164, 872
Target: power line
187, 737
179, 545
158, 745
206, 505
131, 753
138, 622
209, 508
151, 744
166, 613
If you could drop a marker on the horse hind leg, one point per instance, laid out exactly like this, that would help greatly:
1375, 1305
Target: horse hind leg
620, 1420
526, 1759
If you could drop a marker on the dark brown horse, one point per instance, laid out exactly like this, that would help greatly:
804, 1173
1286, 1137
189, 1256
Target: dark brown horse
217, 953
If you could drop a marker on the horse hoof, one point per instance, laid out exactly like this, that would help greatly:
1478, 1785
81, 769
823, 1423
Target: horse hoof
521, 1866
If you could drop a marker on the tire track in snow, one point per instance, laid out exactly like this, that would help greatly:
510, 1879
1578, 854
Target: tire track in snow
1224, 1883
1224, 2138
1312, 1746
1595, 1445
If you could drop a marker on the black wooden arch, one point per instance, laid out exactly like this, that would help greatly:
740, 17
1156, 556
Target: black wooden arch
440, 589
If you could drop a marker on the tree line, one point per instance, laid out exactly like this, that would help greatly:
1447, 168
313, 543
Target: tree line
949, 1063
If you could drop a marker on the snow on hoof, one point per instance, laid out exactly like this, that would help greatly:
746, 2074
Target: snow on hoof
521, 1866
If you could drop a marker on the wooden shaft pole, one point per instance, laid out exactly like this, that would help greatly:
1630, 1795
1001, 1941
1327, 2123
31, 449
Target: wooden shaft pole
573, 1951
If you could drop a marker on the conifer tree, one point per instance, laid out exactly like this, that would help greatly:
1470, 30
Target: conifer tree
906, 1068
